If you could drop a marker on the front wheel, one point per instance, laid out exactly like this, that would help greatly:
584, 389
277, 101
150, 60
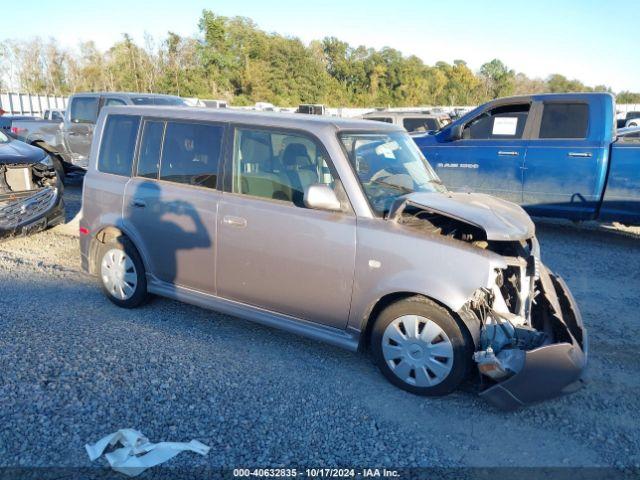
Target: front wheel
122, 273
420, 347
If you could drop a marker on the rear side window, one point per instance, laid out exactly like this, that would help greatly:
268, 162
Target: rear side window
118, 144
381, 119
506, 122
420, 124
564, 120
191, 153
84, 110
150, 150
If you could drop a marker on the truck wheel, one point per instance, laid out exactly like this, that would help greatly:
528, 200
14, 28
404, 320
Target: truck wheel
122, 273
420, 347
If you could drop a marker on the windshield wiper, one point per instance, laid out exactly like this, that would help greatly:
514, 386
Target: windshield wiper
393, 185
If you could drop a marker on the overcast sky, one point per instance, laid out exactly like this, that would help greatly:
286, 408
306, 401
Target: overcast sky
593, 41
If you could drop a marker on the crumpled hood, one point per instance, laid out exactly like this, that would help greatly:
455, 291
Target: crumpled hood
19, 152
500, 219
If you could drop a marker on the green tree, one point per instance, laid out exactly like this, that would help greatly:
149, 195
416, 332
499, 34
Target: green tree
498, 78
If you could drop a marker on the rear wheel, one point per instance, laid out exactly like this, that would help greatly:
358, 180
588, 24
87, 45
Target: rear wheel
122, 273
420, 347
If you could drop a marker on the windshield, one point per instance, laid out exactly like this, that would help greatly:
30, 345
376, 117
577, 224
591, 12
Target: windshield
159, 101
4, 138
388, 166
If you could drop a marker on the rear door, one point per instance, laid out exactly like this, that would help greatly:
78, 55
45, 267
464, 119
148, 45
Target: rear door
622, 195
489, 157
170, 205
564, 166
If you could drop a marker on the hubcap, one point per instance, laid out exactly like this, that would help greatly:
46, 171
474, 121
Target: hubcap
417, 350
118, 274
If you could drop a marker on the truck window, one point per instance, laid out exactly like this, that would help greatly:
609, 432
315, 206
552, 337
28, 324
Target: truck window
118, 144
380, 119
420, 124
150, 150
84, 110
505, 122
191, 153
564, 120
114, 101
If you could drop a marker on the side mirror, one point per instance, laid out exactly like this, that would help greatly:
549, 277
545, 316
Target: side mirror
456, 132
321, 197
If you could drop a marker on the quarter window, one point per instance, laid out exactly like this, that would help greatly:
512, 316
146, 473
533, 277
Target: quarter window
278, 166
191, 153
84, 110
564, 120
150, 150
506, 122
118, 144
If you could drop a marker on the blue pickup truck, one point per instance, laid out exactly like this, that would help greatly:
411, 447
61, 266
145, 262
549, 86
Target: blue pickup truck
557, 155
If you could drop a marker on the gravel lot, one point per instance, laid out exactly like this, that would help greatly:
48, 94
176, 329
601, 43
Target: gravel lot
73, 367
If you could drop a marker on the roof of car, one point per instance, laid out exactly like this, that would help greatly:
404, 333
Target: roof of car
124, 94
403, 113
627, 130
277, 119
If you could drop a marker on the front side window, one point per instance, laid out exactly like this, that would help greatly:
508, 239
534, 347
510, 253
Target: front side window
191, 153
118, 144
4, 138
420, 124
505, 122
150, 149
389, 165
278, 166
564, 120
84, 110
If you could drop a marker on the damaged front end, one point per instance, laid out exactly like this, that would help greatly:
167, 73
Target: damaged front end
30, 198
530, 341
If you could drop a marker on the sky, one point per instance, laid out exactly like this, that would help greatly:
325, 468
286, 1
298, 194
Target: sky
595, 42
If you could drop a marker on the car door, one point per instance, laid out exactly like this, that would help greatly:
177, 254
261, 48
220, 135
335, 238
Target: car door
622, 195
273, 252
489, 158
564, 162
78, 132
171, 203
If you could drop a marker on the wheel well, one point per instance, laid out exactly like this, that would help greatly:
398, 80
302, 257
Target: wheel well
102, 237
387, 300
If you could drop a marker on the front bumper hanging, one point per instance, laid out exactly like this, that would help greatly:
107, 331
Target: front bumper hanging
550, 370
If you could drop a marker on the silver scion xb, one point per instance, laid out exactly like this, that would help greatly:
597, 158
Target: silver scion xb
334, 229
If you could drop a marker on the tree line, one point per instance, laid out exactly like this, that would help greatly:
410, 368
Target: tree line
232, 59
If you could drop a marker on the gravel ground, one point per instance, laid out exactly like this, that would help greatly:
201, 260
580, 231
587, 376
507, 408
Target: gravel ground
74, 367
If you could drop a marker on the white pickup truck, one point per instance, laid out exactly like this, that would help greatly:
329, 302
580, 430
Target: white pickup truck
68, 141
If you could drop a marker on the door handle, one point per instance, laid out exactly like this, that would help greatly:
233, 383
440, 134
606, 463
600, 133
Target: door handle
580, 154
136, 202
234, 221
503, 153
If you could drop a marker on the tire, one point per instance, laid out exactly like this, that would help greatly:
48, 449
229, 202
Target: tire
121, 273
433, 351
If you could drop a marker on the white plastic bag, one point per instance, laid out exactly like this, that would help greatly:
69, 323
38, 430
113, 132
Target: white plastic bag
137, 453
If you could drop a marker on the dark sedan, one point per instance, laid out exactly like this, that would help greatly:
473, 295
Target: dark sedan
30, 189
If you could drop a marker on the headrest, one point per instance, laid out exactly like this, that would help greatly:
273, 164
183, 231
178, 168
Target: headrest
296, 155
